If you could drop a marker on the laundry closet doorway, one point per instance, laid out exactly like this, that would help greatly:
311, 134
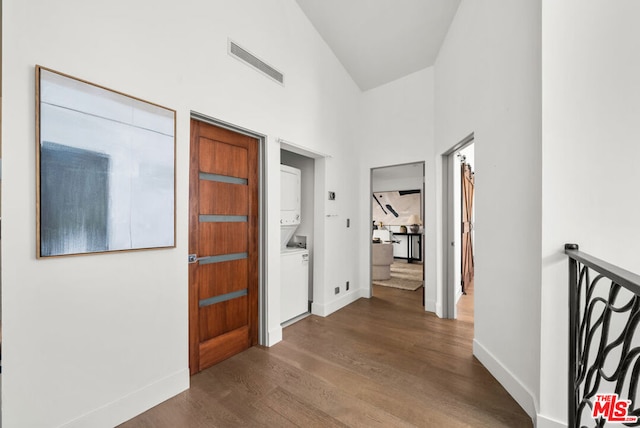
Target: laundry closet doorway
311, 230
297, 246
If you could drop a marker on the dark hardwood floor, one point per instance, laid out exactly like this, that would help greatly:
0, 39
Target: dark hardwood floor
378, 362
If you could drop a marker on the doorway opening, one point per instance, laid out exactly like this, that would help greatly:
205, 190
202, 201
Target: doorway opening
397, 235
297, 222
311, 230
459, 235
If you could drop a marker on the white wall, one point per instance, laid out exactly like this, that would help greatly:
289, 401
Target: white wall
341, 250
396, 127
390, 184
94, 340
487, 81
591, 105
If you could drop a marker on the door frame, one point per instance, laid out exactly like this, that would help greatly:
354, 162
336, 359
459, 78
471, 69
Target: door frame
262, 209
448, 290
422, 216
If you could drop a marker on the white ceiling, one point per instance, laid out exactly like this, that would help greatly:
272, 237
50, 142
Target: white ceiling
379, 41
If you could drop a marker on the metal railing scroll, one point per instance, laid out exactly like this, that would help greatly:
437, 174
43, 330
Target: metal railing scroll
604, 346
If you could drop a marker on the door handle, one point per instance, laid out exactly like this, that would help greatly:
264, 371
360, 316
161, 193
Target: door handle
193, 258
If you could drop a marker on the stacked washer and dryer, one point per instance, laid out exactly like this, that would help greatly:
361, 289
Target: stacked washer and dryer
294, 260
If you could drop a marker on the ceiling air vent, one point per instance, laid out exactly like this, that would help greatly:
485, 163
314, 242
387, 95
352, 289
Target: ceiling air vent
248, 58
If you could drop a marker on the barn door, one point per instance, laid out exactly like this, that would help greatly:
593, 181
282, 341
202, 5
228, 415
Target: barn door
223, 244
467, 225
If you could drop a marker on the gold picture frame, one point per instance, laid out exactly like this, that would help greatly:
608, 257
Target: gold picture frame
105, 169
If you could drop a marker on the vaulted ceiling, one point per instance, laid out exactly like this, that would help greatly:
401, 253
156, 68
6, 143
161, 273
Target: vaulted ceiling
379, 41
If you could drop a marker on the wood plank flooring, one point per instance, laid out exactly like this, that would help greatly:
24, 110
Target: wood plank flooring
380, 362
465, 305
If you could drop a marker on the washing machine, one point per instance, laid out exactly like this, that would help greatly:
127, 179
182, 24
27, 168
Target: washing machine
294, 290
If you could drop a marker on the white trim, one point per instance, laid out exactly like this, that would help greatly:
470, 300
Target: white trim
545, 422
431, 306
459, 294
133, 404
339, 303
508, 380
448, 257
275, 336
438, 309
301, 150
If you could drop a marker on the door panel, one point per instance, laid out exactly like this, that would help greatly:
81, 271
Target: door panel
223, 198
223, 317
222, 347
223, 233
223, 238
223, 277
467, 183
224, 159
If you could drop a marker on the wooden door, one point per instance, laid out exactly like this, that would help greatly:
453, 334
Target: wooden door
223, 236
467, 225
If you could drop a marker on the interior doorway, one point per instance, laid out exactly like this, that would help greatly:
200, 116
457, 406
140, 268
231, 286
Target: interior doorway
397, 235
459, 235
466, 186
313, 166
297, 247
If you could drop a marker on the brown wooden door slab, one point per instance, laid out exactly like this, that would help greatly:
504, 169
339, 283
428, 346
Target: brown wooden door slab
223, 233
467, 225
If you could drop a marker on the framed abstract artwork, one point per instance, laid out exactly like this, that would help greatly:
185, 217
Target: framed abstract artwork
395, 208
105, 169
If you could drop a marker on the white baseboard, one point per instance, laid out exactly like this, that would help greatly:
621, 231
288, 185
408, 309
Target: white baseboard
430, 306
339, 303
545, 422
274, 336
508, 380
133, 404
317, 309
439, 311
458, 295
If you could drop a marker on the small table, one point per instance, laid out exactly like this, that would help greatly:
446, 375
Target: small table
409, 235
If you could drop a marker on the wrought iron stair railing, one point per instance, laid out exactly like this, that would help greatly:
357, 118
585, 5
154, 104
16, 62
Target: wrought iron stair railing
604, 348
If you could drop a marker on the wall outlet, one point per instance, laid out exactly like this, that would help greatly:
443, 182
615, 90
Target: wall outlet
337, 290
347, 286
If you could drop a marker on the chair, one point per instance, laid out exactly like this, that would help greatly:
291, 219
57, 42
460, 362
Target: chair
381, 260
